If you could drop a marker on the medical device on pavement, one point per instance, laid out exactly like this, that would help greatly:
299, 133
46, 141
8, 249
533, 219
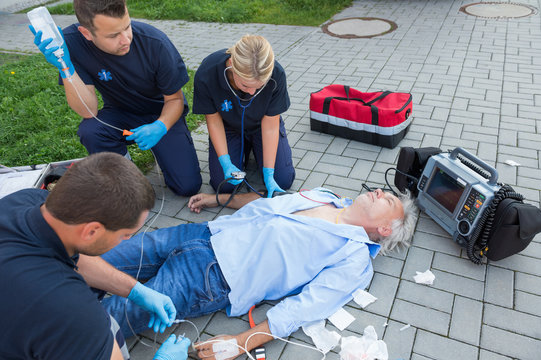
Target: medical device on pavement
454, 190
461, 193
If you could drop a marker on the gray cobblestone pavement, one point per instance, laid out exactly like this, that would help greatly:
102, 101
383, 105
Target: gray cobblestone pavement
476, 83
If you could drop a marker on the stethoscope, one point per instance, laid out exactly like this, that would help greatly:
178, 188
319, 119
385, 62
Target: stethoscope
244, 107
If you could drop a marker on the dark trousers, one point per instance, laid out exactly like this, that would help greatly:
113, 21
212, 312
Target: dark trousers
284, 172
175, 151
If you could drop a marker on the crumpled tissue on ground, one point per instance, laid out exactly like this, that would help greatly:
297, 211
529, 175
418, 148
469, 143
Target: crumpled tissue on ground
323, 339
341, 319
511, 163
426, 277
363, 298
366, 347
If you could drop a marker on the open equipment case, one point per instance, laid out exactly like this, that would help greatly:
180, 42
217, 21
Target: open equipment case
41, 176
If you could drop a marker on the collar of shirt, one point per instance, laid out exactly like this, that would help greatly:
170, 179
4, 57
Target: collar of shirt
286, 205
45, 236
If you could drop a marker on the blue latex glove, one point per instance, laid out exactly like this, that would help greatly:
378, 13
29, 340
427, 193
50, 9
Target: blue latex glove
48, 52
161, 308
228, 168
173, 349
146, 136
270, 183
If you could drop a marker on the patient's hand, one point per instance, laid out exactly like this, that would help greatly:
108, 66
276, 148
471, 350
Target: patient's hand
221, 346
201, 201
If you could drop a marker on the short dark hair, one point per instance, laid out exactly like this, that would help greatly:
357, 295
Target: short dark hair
103, 187
86, 10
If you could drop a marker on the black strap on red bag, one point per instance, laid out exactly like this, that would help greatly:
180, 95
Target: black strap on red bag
373, 108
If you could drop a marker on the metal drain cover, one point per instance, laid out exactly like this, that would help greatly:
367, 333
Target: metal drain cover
358, 27
498, 10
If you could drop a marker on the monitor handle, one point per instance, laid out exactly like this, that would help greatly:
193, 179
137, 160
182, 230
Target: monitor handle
493, 172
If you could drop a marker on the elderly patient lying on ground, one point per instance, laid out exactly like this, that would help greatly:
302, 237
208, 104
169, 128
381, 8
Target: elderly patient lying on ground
312, 248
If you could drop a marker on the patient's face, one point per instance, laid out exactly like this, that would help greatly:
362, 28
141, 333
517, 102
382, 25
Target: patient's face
378, 208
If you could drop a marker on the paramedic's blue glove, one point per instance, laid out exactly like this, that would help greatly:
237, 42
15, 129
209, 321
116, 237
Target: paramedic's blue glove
49, 56
173, 349
228, 168
146, 136
270, 183
161, 308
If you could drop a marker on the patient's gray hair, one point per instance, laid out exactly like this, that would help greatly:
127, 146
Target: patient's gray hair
402, 228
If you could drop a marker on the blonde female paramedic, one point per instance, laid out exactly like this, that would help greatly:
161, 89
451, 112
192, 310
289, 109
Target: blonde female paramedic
243, 91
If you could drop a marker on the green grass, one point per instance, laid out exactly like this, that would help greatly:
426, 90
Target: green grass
6, 58
37, 125
284, 12
35, 6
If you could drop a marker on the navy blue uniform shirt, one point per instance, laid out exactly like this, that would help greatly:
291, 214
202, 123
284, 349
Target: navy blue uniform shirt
137, 81
212, 94
47, 309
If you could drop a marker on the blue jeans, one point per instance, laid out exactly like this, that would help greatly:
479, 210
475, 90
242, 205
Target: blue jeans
177, 261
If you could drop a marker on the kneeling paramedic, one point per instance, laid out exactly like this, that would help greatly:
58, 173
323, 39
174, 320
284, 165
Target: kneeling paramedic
139, 74
49, 260
242, 91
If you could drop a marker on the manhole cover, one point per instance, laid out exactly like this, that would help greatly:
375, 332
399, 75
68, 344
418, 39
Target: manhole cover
497, 10
359, 27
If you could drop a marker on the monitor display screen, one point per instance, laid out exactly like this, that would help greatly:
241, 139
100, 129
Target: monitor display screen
445, 190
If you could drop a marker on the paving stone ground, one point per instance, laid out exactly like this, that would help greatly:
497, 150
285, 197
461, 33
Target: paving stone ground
476, 83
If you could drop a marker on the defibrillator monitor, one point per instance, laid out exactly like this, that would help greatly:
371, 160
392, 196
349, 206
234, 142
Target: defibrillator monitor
445, 189
454, 190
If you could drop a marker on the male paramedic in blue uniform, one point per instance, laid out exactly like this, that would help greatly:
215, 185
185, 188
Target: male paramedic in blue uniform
139, 74
49, 259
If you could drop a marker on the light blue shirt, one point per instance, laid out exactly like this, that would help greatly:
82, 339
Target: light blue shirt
265, 253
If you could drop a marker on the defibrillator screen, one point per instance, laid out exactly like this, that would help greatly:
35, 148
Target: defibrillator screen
445, 190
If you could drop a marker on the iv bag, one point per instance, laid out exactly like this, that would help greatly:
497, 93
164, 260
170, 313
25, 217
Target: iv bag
41, 19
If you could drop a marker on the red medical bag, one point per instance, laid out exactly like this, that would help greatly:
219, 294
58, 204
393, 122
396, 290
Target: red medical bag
378, 118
